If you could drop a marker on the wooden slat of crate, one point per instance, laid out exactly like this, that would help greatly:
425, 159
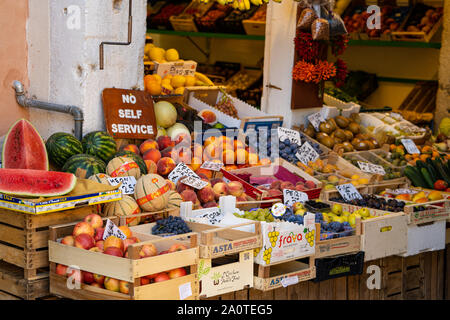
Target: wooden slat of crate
298, 291
353, 287
12, 282
340, 288
241, 294
326, 289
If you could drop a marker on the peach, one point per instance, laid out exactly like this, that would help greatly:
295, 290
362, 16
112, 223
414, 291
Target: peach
165, 166
147, 145
151, 166
181, 154
83, 227
211, 140
235, 188
112, 284
183, 139
215, 180
181, 186
228, 156
204, 173
206, 194
152, 154
300, 187
69, 241
190, 195
198, 151
220, 189
242, 198
241, 156
168, 153
274, 192
310, 185
171, 184
287, 185
164, 142
275, 184
131, 147
211, 204
212, 151
113, 241
195, 164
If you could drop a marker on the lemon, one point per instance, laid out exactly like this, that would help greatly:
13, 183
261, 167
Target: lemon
172, 55
190, 81
178, 81
168, 76
179, 90
157, 78
156, 54
166, 82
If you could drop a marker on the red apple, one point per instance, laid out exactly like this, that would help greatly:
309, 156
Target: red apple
127, 242
94, 220
99, 278
83, 227
111, 284
61, 269
162, 277
147, 250
113, 251
96, 249
100, 245
113, 241
151, 276
99, 234
68, 240
144, 281
177, 247
88, 277
124, 287
97, 285
164, 252
176, 273
84, 241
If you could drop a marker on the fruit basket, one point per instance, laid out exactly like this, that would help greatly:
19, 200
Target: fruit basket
186, 20
209, 22
233, 22
161, 20
129, 276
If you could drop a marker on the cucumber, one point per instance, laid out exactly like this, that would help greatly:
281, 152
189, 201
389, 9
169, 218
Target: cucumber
414, 176
427, 178
431, 169
441, 170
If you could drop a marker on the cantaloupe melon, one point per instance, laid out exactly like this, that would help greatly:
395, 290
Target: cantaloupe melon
123, 167
124, 207
152, 192
174, 200
100, 178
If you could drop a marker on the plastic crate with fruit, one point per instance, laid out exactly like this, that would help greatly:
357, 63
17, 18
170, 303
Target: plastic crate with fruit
210, 21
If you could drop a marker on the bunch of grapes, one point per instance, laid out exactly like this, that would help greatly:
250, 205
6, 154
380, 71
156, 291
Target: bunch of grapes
267, 255
273, 237
174, 225
310, 237
226, 106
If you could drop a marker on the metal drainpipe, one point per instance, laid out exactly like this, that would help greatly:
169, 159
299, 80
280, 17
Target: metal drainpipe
75, 111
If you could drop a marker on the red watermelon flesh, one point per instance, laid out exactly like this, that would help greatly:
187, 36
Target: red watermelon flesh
39, 183
24, 148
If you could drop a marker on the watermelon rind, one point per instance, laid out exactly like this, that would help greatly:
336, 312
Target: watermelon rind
91, 164
61, 146
19, 182
5, 152
99, 144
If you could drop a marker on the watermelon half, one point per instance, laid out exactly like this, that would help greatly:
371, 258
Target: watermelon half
36, 183
24, 148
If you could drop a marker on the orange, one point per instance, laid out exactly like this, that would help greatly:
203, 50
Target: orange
153, 88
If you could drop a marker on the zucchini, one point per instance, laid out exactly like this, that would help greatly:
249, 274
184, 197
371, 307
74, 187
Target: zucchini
431, 169
427, 177
415, 177
441, 170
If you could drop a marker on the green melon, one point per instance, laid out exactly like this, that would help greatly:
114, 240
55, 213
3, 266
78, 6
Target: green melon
61, 146
91, 164
99, 144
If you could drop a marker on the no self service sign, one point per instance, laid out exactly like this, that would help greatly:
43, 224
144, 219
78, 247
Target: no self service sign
129, 114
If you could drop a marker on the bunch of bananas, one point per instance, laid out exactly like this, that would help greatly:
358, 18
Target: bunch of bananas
241, 4
202, 80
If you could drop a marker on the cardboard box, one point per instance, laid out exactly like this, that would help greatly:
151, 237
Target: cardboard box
183, 68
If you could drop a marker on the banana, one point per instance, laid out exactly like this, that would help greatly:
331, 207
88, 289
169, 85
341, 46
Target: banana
256, 2
247, 4
241, 5
199, 83
235, 4
201, 77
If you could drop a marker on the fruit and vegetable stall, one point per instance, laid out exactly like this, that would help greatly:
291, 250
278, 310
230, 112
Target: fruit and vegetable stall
210, 197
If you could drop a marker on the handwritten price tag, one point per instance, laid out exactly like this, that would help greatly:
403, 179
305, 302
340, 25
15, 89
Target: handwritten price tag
214, 166
128, 184
410, 146
194, 182
185, 290
181, 170
292, 196
292, 135
315, 119
371, 168
214, 215
112, 230
307, 153
348, 192
288, 281
401, 191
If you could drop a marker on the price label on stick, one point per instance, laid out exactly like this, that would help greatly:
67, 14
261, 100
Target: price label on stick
292, 135
214, 166
181, 170
214, 215
315, 119
410, 146
371, 168
307, 153
292, 196
194, 182
348, 192
128, 184
401, 191
112, 230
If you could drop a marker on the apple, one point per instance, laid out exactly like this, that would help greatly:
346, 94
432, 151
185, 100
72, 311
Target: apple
97, 285
83, 227
100, 245
151, 276
88, 277
99, 234
61, 269
147, 250
68, 240
113, 241
84, 241
94, 220
176, 273
96, 249
162, 277
144, 281
177, 247
111, 284
113, 251
124, 287
127, 242
99, 278
164, 252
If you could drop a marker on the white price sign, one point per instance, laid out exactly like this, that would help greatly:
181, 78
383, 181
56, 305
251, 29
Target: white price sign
292, 196
214, 215
181, 170
185, 290
315, 119
307, 153
288, 281
371, 168
292, 135
128, 184
194, 182
214, 166
401, 191
410, 146
112, 230
348, 192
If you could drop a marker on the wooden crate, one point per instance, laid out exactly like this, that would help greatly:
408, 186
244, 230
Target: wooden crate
417, 36
254, 28
129, 269
24, 237
338, 246
186, 21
